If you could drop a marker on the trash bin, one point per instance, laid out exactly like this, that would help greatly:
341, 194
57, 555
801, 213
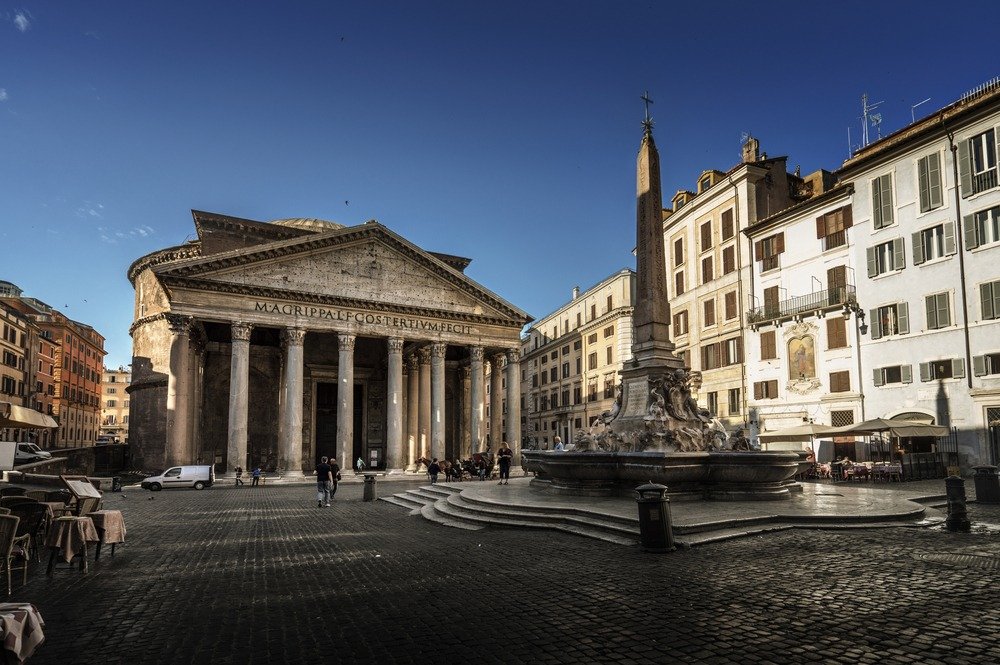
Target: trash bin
116, 484
655, 530
987, 484
958, 516
370, 493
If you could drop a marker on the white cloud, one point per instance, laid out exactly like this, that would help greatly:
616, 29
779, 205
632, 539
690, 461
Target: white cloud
22, 20
3, 94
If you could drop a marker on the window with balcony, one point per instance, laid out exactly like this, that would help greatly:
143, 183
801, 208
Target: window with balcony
982, 228
890, 320
933, 243
886, 257
977, 163
882, 208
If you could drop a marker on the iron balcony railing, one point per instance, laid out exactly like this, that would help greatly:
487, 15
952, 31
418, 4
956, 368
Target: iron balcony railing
819, 300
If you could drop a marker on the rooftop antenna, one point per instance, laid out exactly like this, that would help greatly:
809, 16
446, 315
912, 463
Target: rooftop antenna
867, 116
914, 107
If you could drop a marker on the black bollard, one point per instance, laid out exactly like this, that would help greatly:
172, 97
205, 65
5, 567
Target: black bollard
958, 517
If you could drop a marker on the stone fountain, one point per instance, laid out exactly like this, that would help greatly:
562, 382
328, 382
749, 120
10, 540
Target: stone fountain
655, 431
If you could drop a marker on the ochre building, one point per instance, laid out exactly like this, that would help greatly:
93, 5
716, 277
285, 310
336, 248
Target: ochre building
276, 343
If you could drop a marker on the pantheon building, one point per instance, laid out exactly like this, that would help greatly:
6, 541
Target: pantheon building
275, 343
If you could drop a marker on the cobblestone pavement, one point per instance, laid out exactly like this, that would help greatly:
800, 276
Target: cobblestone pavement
262, 575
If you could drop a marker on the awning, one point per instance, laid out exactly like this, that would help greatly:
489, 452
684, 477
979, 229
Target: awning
898, 428
804, 432
12, 415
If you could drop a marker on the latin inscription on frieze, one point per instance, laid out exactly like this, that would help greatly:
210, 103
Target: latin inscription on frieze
379, 319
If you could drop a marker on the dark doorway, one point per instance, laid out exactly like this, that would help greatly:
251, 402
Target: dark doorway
326, 421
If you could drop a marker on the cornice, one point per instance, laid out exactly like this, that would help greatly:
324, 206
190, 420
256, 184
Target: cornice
335, 301
146, 319
180, 252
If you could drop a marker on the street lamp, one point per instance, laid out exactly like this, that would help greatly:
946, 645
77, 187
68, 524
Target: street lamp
860, 328
852, 307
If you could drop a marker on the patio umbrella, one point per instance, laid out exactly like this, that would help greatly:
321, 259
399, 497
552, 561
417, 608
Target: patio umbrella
897, 428
805, 432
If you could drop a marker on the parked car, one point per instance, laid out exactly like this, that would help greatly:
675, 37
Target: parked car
198, 477
29, 452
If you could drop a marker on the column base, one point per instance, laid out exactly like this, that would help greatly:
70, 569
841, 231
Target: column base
411, 468
294, 475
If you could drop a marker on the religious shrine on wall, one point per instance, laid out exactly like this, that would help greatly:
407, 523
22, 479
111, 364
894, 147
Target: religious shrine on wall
276, 343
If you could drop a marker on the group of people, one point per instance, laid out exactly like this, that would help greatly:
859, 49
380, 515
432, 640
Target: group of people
479, 466
327, 477
254, 476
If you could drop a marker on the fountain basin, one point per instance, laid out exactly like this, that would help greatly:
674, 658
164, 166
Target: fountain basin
724, 475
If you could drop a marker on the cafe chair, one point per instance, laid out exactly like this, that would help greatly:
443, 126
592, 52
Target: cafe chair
86, 505
32, 516
12, 548
10, 501
58, 495
12, 491
37, 495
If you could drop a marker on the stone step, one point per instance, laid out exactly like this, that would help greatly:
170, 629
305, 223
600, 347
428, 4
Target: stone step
403, 501
430, 512
496, 519
628, 530
631, 523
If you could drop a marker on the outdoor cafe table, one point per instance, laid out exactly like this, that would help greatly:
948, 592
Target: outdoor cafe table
110, 527
68, 536
20, 630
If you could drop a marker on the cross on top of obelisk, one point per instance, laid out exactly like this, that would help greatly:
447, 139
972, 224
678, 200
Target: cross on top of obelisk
647, 124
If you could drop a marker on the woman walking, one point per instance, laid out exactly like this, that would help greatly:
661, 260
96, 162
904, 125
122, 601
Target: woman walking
505, 455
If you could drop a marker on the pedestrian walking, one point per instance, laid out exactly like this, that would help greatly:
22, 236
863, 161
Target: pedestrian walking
335, 474
324, 482
360, 465
506, 455
239, 476
255, 475
433, 470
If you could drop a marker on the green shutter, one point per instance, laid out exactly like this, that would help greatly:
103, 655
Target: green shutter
979, 365
876, 324
964, 168
986, 300
930, 302
902, 318
958, 368
925, 371
886, 189
923, 185
872, 266
876, 203
906, 374
898, 254
918, 249
971, 232
934, 180
949, 238
878, 376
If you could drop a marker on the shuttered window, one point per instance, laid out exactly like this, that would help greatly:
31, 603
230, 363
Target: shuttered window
728, 228
882, 201
709, 312
832, 227
681, 322
890, 320
678, 251
938, 311
982, 228
678, 283
951, 368
768, 250
771, 303
836, 332
840, 382
989, 300
728, 259
977, 163
706, 270
765, 389
706, 235
933, 243
929, 181
768, 346
731, 305
886, 257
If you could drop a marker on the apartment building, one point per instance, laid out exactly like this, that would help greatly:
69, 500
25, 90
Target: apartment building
571, 357
708, 270
115, 404
926, 239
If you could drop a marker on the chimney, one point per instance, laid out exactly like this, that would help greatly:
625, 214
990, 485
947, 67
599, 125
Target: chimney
751, 150
576, 292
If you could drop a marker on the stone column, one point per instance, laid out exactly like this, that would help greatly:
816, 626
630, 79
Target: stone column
496, 401
197, 387
394, 407
290, 456
465, 450
412, 411
514, 404
425, 402
438, 350
239, 396
178, 427
345, 401
476, 391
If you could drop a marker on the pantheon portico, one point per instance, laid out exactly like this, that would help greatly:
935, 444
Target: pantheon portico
276, 343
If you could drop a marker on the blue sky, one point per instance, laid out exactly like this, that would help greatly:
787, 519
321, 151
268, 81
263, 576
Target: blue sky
502, 131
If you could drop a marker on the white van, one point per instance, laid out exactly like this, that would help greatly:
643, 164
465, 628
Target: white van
198, 477
29, 452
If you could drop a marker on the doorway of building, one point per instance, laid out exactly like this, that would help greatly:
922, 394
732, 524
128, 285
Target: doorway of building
326, 421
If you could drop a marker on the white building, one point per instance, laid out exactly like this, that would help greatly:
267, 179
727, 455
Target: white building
928, 260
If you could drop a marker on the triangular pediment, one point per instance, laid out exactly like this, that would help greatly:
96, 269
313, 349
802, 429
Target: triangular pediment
360, 264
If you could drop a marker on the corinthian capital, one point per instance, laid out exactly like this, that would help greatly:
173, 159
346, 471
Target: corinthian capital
498, 360
241, 331
412, 362
425, 355
513, 355
293, 336
476, 354
345, 341
179, 325
395, 345
438, 349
